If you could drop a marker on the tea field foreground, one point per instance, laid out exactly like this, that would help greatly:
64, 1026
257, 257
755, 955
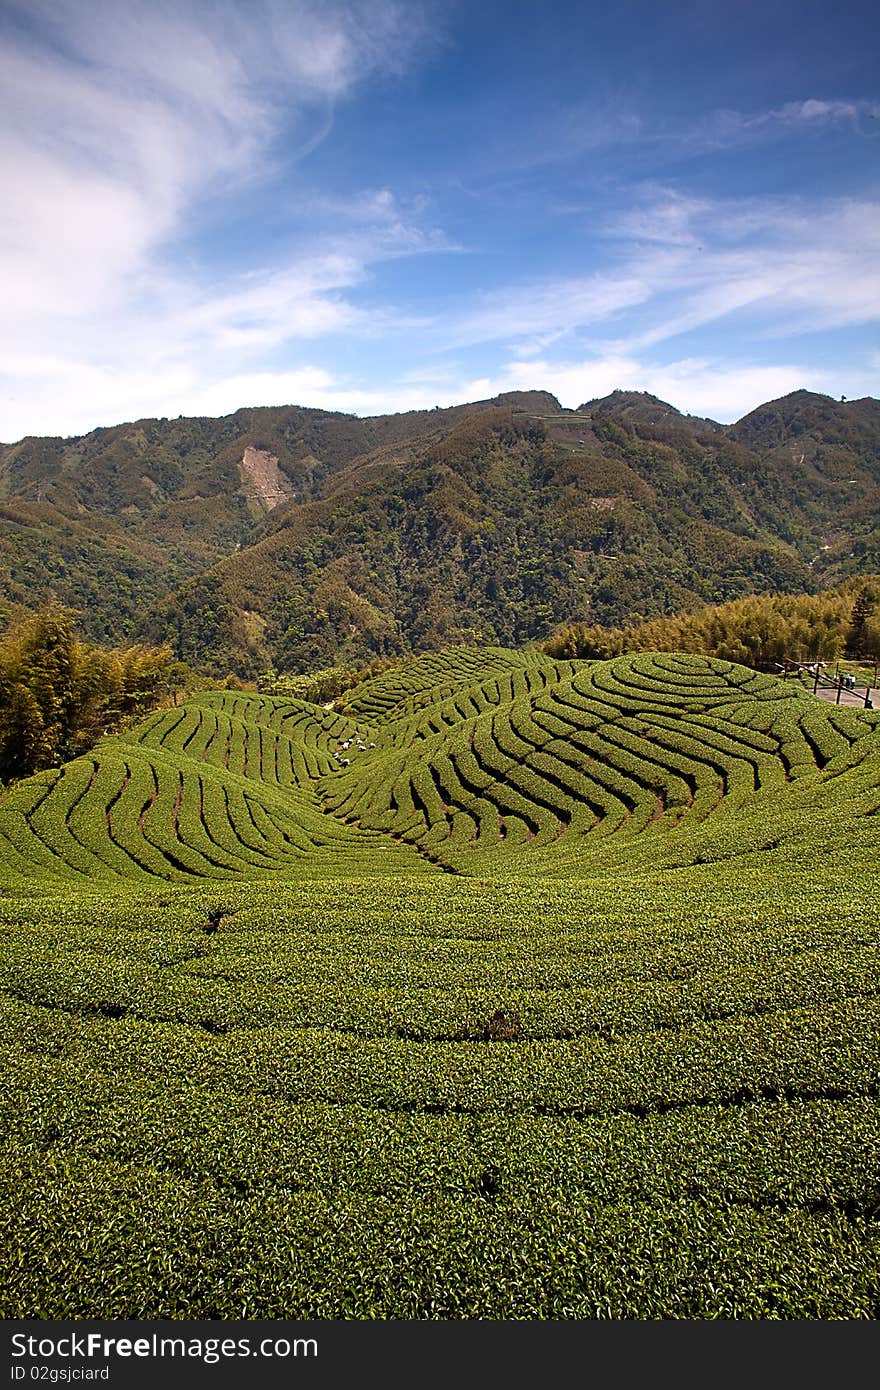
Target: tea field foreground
559, 999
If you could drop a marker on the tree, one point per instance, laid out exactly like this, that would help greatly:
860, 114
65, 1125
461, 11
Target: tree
23, 746
58, 695
36, 691
857, 639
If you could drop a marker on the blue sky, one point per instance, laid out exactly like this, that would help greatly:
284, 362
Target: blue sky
376, 206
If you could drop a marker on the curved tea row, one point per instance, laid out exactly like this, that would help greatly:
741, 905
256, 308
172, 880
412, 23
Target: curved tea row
636, 747
461, 760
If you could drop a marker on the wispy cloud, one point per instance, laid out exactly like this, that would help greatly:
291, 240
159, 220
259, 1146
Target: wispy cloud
718, 390
722, 390
792, 118
749, 269
682, 263
796, 268
618, 127
119, 118
536, 315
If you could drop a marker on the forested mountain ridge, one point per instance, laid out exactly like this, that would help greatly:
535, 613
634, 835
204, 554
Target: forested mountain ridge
109, 521
290, 537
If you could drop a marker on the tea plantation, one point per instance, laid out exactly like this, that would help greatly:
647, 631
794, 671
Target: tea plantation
507, 988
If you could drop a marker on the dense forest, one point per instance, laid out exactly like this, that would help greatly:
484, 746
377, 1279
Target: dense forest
760, 631
287, 540
59, 695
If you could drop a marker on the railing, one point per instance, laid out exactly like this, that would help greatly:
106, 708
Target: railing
841, 683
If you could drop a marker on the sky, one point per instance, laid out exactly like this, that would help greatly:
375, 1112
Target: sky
383, 205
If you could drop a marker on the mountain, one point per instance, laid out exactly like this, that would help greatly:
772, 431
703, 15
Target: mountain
641, 408
112, 520
291, 537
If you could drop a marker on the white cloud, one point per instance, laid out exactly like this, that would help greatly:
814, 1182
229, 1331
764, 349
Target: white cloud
84, 396
116, 124
583, 128
685, 263
189, 353
541, 313
720, 391
795, 268
793, 117
727, 272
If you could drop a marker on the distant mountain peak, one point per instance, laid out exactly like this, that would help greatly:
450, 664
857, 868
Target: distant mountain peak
632, 405
528, 400
803, 412
620, 398
790, 404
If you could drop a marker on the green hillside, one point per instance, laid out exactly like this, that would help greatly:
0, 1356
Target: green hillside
475, 760
293, 539
219, 788
109, 522
553, 994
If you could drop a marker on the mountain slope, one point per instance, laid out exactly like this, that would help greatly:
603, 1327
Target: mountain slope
290, 537
508, 524
109, 521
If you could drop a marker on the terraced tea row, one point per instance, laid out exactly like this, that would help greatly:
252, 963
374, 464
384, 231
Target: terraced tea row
625, 1066
279, 742
429, 679
353, 1099
134, 811
643, 744
468, 761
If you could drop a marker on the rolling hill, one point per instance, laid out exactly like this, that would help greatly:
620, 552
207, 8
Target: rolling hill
293, 538
471, 761
507, 987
